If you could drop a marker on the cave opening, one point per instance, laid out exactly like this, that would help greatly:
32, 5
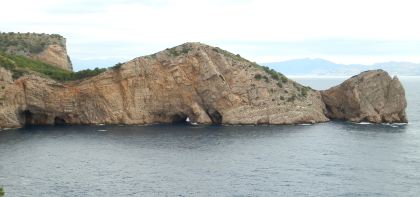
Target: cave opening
180, 119
215, 116
27, 117
59, 121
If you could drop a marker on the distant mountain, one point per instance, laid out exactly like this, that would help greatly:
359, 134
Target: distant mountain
321, 67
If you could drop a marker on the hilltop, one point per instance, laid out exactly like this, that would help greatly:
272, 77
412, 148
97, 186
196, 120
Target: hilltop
49, 49
194, 81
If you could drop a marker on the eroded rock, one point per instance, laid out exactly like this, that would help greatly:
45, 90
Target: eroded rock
207, 85
371, 96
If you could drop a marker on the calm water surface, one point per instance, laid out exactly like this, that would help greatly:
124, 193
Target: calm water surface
329, 159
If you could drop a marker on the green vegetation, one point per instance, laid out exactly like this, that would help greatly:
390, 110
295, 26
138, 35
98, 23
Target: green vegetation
20, 65
1, 192
174, 51
283, 79
292, 98
280, 78
304, 91
236, 57
19, 43
266, 79
117, 66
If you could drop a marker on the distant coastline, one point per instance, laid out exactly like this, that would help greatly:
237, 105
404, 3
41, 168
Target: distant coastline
342, 76
323, 68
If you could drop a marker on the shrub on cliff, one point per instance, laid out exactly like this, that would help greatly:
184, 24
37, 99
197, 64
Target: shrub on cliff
20, 65
28, 42
117, 66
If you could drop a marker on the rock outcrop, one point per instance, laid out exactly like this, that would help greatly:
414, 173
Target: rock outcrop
50, 49
205, 84
371, 96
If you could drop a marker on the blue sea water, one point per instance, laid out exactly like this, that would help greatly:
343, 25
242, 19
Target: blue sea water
328, 159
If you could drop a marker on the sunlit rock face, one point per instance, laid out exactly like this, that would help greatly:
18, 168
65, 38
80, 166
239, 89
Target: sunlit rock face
205, 84
372, 96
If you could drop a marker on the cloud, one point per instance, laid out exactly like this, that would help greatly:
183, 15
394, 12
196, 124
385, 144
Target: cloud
277, 28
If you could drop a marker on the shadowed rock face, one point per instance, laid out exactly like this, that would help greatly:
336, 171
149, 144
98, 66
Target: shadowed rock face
204, 84
371, 96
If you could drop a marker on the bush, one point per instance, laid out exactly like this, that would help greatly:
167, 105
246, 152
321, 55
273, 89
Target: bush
283, 79
291, 99
29, 42
304, 92
257, 76
1, 192
20, 65
266, 79
87, 73
117, 66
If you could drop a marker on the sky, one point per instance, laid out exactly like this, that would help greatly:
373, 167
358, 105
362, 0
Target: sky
103, 32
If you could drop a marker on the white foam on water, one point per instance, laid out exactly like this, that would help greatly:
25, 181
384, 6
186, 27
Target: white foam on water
306, 124
364, 123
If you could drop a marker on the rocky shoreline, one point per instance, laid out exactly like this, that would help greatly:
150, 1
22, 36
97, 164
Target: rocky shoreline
205, 84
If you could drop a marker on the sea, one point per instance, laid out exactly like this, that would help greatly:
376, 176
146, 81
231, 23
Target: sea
336, 158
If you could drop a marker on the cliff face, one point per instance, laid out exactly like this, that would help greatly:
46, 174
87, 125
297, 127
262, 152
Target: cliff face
371, 96
203, 83
50, 49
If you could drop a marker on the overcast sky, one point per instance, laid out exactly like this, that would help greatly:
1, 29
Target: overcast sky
344, 31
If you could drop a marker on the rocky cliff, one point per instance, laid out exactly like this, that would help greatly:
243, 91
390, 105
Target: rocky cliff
371, 96
205, 84
50, 49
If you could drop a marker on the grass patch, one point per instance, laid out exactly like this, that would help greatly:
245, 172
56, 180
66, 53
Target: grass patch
20, 65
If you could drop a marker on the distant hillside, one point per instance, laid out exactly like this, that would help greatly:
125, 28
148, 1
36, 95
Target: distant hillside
320, 67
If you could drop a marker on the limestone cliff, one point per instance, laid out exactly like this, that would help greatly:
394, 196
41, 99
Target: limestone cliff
371, 96
206, 84
50, 49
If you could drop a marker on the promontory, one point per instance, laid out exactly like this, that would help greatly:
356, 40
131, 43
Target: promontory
205, 84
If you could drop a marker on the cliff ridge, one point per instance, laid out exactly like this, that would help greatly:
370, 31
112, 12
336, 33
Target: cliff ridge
194, 81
